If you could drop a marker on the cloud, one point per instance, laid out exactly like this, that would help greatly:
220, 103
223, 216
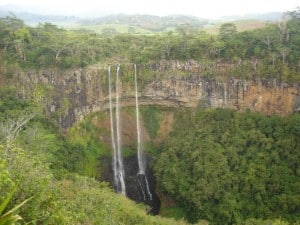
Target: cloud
200, 8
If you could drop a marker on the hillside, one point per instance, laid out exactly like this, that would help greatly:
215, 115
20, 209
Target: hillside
242, 25
140, 24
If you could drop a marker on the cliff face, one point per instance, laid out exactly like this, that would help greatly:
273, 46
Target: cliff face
71, 95
265, 96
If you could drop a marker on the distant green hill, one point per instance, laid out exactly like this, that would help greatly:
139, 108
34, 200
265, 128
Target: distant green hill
139, 24
148, 22
241, 25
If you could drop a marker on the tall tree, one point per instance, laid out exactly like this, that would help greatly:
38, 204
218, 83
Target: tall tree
227, 31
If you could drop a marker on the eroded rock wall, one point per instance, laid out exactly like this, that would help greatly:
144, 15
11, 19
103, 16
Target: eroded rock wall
73, 94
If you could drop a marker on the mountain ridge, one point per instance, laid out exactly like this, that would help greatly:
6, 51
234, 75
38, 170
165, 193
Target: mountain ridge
34, 16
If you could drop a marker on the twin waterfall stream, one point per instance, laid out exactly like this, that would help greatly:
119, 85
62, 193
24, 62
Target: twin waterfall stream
118, 167
119, 176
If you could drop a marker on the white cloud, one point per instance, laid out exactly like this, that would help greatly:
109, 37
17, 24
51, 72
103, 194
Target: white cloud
200, 8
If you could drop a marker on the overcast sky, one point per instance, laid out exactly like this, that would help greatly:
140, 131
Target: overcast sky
199, 8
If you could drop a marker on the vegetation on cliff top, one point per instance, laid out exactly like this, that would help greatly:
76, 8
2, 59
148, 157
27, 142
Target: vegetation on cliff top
271, 52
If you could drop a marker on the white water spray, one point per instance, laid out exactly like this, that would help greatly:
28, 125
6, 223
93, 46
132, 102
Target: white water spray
118, 168
141, 164
225, 95
112, 131
141, 187
138, 128
148, 188
119, 153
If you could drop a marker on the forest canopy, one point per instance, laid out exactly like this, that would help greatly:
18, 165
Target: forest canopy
230, 167
272, 51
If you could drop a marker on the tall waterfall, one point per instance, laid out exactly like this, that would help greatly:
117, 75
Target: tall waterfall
141, 176
117, 160
118, 168
138, 128
121, 173
112, 131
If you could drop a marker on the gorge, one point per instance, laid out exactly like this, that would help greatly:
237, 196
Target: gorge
75, 94
194, 127
98, 112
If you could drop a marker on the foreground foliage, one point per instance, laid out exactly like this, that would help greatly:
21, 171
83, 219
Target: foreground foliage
9, 217
35, 165
72, 199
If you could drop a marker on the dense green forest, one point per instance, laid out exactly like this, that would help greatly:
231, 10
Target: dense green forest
230, 167
271, 52
218, 166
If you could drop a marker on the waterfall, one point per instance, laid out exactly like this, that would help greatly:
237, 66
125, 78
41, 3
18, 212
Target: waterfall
225, 95
117, 160
112, 131
118, 168
138, 128
119, 153
141, 173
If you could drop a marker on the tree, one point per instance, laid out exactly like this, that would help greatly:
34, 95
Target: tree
283, 31
216, 48
283, 51
131, 30
227, 31
109, 32
10, 129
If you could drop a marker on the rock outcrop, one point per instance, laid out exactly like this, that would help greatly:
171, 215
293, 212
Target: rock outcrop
71, 95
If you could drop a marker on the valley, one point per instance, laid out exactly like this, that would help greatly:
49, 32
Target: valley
184, 127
